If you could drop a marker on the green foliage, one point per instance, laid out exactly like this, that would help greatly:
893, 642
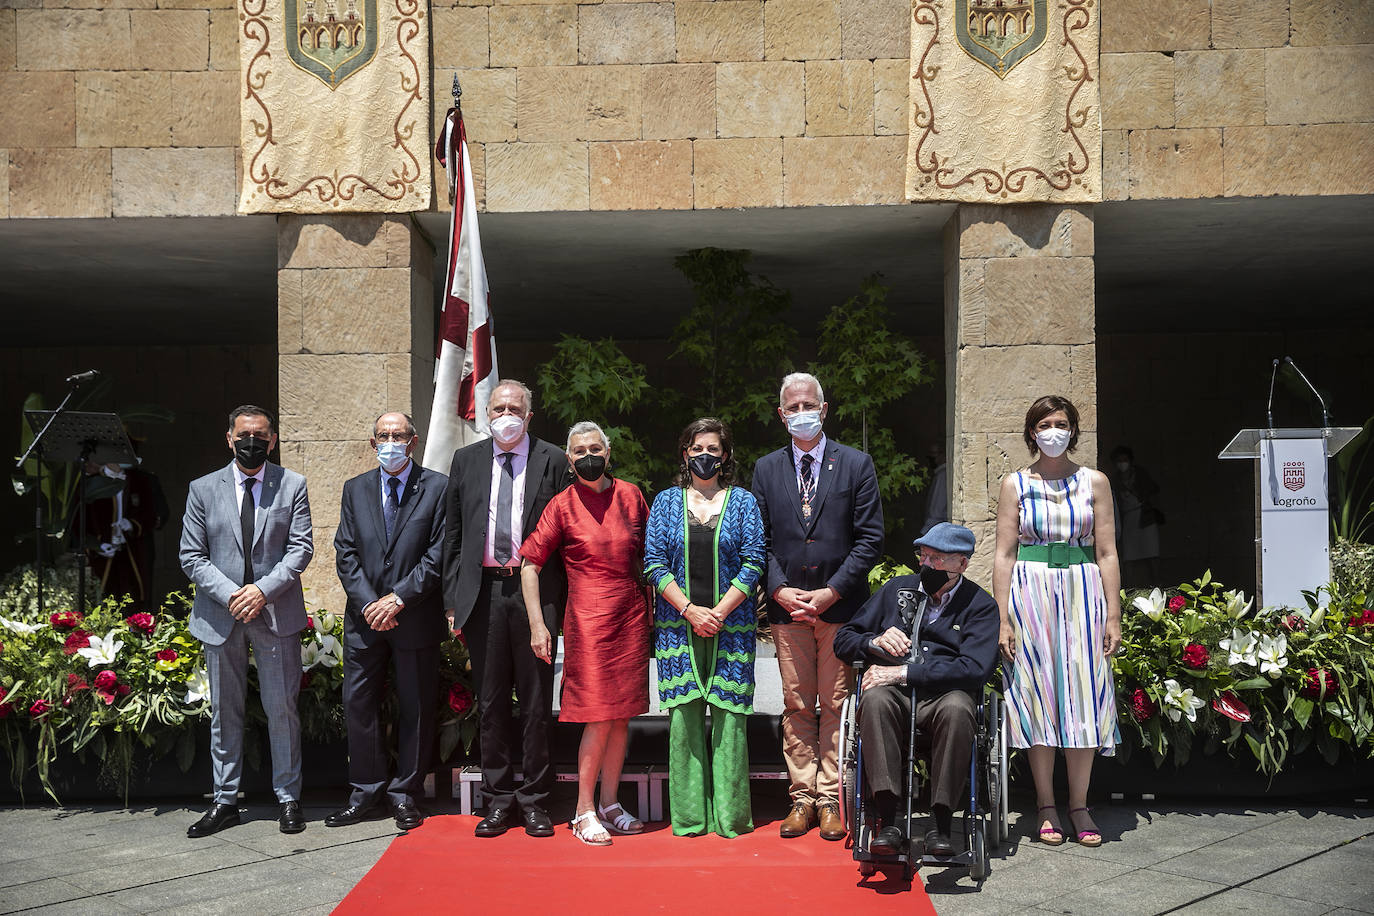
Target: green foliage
886, 570
1352, 488
1352, 567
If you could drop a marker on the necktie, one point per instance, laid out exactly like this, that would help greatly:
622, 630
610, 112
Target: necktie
808, 485
505, 494
392, 504
246, 527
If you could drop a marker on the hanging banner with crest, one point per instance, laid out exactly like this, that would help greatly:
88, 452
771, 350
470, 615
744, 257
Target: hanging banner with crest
334, 106
1004, 102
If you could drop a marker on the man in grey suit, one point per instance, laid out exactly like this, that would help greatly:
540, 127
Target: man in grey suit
245, 540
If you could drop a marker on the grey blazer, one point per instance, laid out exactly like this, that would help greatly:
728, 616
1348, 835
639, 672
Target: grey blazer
212, 550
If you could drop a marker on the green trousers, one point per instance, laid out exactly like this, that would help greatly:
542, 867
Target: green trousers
708, 786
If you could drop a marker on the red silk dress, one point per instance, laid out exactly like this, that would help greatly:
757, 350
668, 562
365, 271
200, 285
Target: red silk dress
606, 626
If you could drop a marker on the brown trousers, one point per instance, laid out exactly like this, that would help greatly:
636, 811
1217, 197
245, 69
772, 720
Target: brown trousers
947, 718
814, 686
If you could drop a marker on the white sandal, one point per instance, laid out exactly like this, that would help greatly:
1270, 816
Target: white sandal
624, 822
594, 834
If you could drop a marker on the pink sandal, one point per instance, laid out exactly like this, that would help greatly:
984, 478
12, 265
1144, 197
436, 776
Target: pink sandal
1091, 837
1050, 836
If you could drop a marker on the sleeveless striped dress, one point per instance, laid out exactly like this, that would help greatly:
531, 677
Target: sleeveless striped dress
1059, 691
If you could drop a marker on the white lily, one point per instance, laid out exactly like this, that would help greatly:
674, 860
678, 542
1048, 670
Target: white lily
310, 655
1272, 654
1152, 606
1179, 701
325, 623
1317, 617
1236, 604
197, 686
18, 626
101, 651
1240, 648
331, 651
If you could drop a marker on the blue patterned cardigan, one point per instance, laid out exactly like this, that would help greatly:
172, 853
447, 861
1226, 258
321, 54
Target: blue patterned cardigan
739, 562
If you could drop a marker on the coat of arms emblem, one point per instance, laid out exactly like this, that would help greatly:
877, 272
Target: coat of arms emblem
1294, 475
999, 34
331, 39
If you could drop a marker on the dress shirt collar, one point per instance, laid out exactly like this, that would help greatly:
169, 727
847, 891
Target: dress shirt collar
936, 606
240, 477
521, 449
403, 477
817, 452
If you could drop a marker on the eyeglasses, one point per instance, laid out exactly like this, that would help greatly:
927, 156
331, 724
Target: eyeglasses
394, 437
264, 437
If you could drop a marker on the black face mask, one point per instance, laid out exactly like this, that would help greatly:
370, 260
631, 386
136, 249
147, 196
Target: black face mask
704, 466
250, 452
932, 580
590, 467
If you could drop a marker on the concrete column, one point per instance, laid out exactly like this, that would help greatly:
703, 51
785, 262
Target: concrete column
1019, 323
355, 337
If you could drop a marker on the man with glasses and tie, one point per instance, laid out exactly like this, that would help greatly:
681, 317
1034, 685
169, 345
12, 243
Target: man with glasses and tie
497, 490
823, 532
245, 540
389, 553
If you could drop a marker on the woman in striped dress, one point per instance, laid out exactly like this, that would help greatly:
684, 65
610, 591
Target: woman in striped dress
1057, 583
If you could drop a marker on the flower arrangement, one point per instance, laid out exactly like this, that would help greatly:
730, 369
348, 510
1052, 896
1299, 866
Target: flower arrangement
1199, 664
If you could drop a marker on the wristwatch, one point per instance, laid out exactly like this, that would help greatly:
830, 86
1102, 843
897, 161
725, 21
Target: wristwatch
399, 602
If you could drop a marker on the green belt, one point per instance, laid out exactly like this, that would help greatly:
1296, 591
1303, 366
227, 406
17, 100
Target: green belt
1059, 555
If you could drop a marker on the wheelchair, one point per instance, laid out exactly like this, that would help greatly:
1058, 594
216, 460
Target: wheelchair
985, 815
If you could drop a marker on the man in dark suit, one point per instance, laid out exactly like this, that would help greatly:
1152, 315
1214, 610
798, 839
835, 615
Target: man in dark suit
497, 490
934, 633
245, 540
823, 524
389, 552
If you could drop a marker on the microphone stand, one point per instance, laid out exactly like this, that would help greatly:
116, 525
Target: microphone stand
1326, 418
40, 529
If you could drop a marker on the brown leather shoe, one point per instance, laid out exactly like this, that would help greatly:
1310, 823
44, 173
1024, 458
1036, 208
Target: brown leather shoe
832, 828
799, 820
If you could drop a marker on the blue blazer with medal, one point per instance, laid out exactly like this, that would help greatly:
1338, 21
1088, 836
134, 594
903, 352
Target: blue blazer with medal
837, 544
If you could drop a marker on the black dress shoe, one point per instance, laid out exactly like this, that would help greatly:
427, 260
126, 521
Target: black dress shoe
353, 814
291, 820
887, 842
213, 821
408, 817
938, 844
537, 822
497, 822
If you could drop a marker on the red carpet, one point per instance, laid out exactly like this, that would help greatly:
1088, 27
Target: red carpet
443, 868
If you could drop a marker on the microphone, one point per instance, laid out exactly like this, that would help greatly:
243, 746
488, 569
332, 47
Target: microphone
87, 376
1326, 419
1272, 375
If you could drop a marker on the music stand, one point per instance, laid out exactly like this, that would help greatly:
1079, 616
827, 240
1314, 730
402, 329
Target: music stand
77, 436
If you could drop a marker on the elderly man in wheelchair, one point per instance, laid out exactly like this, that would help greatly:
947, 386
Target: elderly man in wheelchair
930, 637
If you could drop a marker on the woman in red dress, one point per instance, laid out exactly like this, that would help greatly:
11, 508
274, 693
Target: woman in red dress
599, 527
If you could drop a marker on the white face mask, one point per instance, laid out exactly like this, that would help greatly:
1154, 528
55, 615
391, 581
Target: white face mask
804, 425
1052, 442
507, 429
392, 456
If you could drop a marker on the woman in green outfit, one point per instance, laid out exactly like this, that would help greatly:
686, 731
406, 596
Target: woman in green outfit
703, 554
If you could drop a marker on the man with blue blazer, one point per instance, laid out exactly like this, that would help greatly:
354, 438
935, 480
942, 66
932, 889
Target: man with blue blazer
245, 540
932, 634
389, 553
823, 527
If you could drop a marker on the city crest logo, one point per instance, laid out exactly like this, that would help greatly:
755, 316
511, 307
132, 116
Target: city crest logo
1294, 475
999, 34
331, 39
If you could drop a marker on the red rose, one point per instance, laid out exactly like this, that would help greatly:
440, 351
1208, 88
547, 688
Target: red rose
1176, 604
65, 620
105, 694
1319, 682
77, 639
144, 623
123, 690
1294, 623
167, 655
40, 708
106, 679
1363, 619
1195, 655
76, 682
459, 699
5, 708
1230, 706
1142, 707
305, 679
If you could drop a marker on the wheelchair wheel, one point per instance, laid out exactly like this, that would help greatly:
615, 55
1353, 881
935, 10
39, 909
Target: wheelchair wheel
978, 869
1003, 774
993, 772
849, 765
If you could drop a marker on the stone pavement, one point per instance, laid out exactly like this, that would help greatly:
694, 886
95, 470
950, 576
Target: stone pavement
1156, 859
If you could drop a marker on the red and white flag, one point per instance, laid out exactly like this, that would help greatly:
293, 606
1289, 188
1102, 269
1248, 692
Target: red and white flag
465, 366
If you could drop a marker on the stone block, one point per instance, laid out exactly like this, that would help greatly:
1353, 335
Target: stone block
170, 39
843, 171
224, 40
1039, 301
355, 310
870, 29
1218, 88
4, 184
195, 4
1116, 165
328, 397
1330, 22
533, 36
526, 177
399, 373
737, 173
489, 108
320, 581
6, 39
614, 102
1317, 159
477, 154
174, 182
626, 33
40, 109
461, 38
290, 311
966, 306
1155, 25
57, 183
679, 101
579, 103
997, 384
336, 241
641, 175
73, 40
891, 79
1137, 90
839, 98
132, 108
761, 99
327, 465
719, 30
802, 29
205, 108
1176, 163
1319, 85
1026, 230
1249, 24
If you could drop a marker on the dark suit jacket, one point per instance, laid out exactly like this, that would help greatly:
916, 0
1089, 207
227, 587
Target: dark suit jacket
841, 541
957, 650
465, 533
409, 563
